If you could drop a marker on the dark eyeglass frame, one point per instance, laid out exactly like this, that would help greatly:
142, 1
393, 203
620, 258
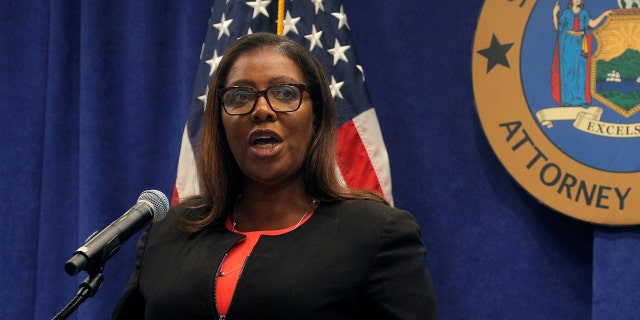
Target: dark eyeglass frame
261, 93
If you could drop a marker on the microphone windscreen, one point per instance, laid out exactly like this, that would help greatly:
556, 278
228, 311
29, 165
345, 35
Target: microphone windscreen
158, 202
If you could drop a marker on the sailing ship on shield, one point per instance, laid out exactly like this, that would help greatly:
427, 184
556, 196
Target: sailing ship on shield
611, 75
615, 70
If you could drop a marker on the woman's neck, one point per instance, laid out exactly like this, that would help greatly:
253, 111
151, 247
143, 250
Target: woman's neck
270, 208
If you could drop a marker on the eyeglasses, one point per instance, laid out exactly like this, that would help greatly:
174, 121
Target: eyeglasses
239, 100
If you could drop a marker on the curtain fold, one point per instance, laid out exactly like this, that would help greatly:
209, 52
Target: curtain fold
58, 213
95, 95
616, 289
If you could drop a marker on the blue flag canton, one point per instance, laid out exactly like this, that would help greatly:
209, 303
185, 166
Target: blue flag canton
319, 25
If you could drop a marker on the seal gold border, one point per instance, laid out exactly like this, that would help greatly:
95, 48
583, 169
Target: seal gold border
543, 170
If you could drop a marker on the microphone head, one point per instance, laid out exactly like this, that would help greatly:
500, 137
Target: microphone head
158, 202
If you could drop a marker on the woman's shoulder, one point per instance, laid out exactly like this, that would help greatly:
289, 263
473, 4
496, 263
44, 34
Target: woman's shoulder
190, 209
367, 225
360, 204
357, 206
187, 210
367, 213
174, 229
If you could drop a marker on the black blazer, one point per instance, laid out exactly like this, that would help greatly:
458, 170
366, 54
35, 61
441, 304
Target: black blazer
350, 260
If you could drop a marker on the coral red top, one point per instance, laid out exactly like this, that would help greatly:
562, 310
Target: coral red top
233, 263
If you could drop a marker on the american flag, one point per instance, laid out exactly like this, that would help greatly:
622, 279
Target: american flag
321, 26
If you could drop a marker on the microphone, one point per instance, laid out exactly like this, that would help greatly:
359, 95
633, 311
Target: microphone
152, 205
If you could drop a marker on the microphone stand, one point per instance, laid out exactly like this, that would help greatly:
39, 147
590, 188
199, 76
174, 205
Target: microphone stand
88, 287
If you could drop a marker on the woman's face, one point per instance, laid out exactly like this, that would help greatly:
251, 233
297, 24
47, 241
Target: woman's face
269, 147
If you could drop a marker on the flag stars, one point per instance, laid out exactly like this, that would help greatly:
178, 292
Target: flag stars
318, 5
203, 97
335, 88
314, 38
338, 52
290, 24
223, 27
213, 62
259, 7
361, 69
342, 18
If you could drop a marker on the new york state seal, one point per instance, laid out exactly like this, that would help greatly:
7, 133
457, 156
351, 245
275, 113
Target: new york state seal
557, 91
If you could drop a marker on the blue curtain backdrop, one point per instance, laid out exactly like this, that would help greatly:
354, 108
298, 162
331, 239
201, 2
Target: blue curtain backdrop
94, 97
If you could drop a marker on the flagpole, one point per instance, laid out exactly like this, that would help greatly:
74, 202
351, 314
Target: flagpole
364, 157
280, 17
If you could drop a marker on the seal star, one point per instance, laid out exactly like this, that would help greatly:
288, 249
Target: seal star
496, 53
